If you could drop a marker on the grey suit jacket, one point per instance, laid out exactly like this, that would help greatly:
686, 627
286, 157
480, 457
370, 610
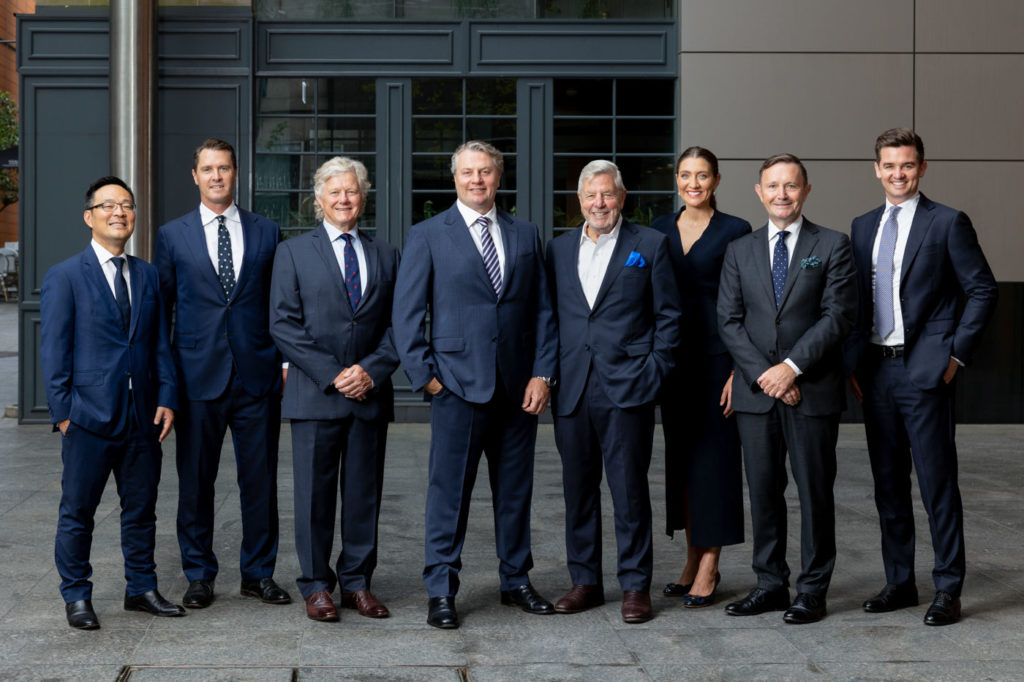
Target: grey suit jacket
819, 307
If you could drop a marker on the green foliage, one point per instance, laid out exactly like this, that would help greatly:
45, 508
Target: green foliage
8, 138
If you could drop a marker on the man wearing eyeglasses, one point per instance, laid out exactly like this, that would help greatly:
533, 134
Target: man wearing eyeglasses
111, 389
214, 264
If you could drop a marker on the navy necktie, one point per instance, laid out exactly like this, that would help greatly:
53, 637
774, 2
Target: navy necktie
884, 323
780, 267
490, 254
225, 260
352, 281
121, 294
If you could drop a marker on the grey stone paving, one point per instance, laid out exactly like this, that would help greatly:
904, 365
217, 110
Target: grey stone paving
238, 639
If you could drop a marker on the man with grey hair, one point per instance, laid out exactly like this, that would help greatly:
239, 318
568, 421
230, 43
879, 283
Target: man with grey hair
618, 321
330, 314
487, 362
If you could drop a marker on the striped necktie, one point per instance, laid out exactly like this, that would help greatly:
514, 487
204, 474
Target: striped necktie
490, 254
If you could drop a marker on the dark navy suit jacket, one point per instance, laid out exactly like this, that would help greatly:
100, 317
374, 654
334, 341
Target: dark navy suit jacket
473, 334
314, 326
941, 260
630, 335
209, 328
87, 358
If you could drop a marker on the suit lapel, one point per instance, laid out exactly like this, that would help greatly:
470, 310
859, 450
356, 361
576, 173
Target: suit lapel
918, 230
196, 239
136, 296
510, 244
249, 246
463, 243
94, 275
322, 245
762, 264
628, 238
805, 244
372, 264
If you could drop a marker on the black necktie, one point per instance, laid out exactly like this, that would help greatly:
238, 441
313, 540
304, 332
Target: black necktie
352, 282
121, 294
780, 266
225, 263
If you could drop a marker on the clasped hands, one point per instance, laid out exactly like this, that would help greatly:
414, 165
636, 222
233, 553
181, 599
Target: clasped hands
353, 382
778, 382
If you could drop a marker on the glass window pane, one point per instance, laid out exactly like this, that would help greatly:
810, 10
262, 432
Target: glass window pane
284, 95
500, 132
583, 136
567, 211
583, 97
284, 134
604, 9
428, 204
651, 173
491, 96
508, 176
639, 135
348, 135
645, 97
280, 171
506, 201
440, 135
292, 209
437, 96
347, 96
432, 172
642, 209
567, 171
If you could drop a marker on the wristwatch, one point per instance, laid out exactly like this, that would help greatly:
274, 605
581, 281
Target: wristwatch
548, 381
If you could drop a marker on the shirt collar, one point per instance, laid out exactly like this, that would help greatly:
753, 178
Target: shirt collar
612, 235
334, 233
908, 206
793, 228
207, 216
102, 254
471, 216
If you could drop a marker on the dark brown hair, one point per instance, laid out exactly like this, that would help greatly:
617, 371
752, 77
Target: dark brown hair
216, 145
697, 152
781, 158
899, 137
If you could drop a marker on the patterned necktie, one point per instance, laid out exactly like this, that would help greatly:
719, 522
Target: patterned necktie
352, 281
884, 268
490, 254
121, 294
225, 262
780, 266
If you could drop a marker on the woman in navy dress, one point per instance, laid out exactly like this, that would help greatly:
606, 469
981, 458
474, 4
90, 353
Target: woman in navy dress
703, 479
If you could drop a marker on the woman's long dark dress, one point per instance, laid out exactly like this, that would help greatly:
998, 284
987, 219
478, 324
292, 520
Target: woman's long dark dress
702, 448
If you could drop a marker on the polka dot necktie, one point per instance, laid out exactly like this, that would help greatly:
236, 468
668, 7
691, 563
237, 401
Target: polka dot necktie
225, 262
121, 293
780, 267
884, 323
490, 254
352, 281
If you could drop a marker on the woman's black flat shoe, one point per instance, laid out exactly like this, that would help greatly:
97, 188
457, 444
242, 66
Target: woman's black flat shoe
693, 601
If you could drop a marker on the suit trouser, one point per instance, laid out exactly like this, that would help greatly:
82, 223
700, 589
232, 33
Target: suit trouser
255, 427
329, 455
811, 444
910, 428
460, 433
599, 430
134, 458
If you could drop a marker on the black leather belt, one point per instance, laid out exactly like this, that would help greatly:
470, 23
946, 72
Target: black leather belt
888, 351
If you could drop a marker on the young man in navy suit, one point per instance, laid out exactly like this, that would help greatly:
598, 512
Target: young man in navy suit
214, 265
488, 362
330, 314
618, 312
915, 260
111, 390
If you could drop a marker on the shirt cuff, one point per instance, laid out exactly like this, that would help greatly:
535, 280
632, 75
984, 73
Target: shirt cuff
955, 358
792, 366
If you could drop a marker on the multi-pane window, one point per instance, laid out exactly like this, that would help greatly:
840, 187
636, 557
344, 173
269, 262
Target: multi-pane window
274, 10
446, 112
300, 123
627, 121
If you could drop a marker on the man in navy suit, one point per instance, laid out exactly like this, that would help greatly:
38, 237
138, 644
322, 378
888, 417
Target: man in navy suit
488, 362
618, 312
214, 264
111, 390
330, 306
915, 259
786, 302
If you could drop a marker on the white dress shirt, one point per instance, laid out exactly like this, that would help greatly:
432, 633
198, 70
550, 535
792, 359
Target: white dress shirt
593, 260
110, 270
233, 222
471, 216
904, 219
339, 252
773, 236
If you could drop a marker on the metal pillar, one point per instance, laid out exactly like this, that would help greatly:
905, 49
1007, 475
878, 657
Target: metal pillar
133, 84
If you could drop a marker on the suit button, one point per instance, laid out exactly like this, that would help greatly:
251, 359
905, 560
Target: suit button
128, 374
586, 346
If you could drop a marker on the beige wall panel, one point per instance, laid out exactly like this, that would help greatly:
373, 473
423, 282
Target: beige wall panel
990, 193
971, 106
815, 106
977, 26
840, 191
796, 25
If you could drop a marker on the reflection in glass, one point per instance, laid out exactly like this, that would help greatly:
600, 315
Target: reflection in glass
501, 132
451, 9
432, 172
491, 96
441, 135
643, 135
284, 134
651, 173
604, 9
583, 97
347, 95
583, 136
284, 96
437, 96
347, 135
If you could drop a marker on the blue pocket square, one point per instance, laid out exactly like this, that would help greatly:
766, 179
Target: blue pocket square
635, 260
812, 262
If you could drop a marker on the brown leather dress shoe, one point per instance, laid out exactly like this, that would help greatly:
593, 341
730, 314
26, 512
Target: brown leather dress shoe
320, 606
365, 603
636, 606
580, 598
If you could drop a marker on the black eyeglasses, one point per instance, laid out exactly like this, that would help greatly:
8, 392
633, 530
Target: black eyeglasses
109, 206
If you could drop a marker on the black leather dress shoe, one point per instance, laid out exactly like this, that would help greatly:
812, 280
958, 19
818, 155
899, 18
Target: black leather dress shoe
806, 608
441, 613
266, 590
945, 610
199, 594
676, 590
760, 600
152, 602
526, 598
892, 598
80, 615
